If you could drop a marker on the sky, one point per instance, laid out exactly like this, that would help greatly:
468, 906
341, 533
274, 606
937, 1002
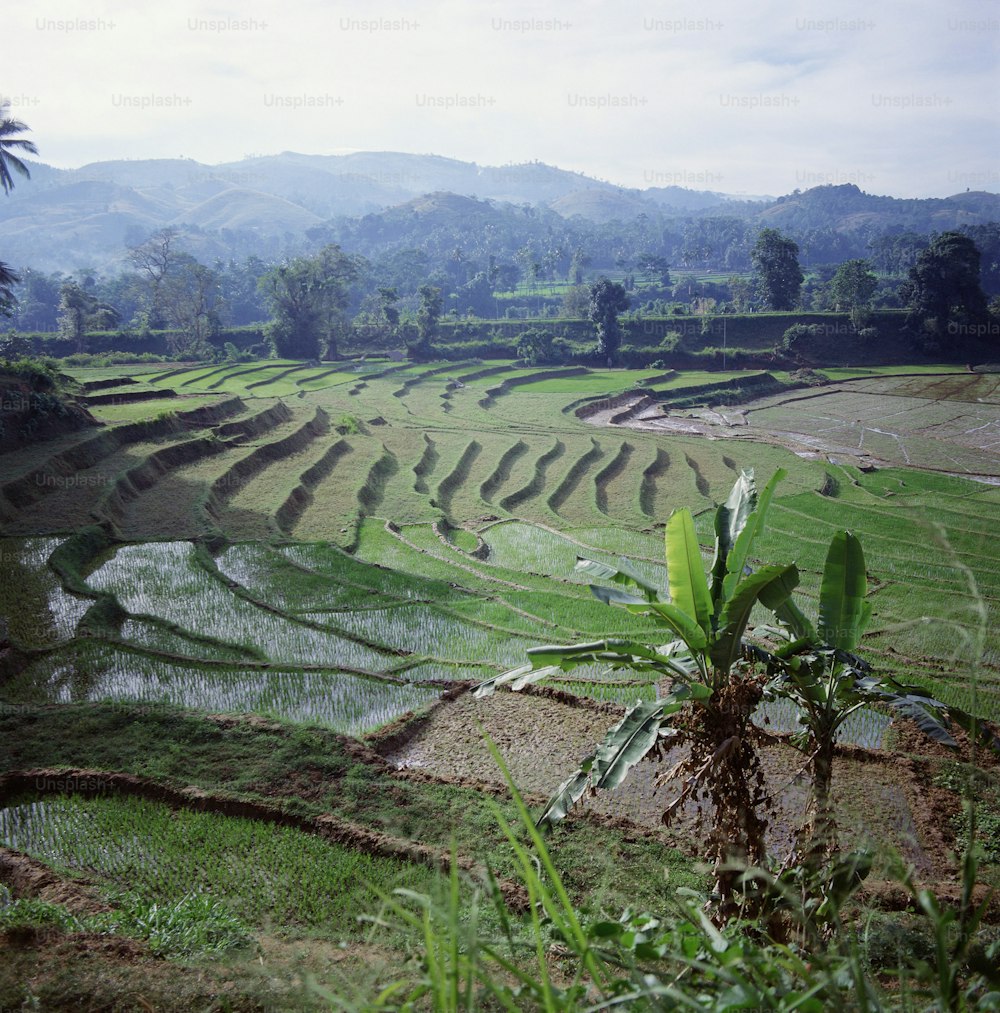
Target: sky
899, 98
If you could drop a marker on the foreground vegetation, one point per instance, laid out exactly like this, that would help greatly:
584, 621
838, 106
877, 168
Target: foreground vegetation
332, 551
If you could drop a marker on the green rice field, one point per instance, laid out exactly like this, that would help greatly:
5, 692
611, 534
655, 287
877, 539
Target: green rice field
263, 874
426, 545
311, 552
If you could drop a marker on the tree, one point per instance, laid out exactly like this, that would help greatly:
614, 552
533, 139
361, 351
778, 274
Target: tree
607, 300
377, 325
8, 143
775, 259
8, 301
427, 323
576, 302
654, 268
943, 292
76, 305
38, 300
852, 289
579, 263
476, 296
818, 670
8, 160
716, 683
987, 240
741, 293
191, 302
307, 298
540, 347
154, 258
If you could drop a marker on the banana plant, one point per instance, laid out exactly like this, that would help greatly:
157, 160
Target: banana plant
817, 669
714, 685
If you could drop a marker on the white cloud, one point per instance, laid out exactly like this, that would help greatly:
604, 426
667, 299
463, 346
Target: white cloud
899, 97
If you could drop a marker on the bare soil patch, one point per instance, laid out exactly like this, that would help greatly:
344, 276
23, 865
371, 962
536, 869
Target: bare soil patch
883, 799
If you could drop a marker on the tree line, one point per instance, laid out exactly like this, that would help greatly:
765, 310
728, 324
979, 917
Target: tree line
319, 301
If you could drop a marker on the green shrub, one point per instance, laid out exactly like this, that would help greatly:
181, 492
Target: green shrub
196, 924
539, 347
30, 916
38, 374
797, 335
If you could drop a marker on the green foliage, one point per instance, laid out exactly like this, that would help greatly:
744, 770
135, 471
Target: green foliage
194, 925
230, 353
348, 425
111, 358
540, 347
798, 334
776, 262
560, 959
704, 662
852, 289
38, 374
200, 877
307, 298
28, 914
947, 306
420, 347
607, 300
11, 146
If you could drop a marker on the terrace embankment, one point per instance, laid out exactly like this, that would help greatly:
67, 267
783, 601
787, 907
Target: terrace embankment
536, 486
574, 476
239, 474
509, 384
299, 499
75, 460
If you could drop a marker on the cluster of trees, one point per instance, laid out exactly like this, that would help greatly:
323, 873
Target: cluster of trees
308, 299
317, 301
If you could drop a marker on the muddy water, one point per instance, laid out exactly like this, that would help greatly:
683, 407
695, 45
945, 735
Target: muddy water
543, 740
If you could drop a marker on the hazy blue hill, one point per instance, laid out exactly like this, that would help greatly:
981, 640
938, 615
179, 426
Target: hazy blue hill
62, 219
77, 224
139, 173
679, 198
847, 208
241, 208
602, 205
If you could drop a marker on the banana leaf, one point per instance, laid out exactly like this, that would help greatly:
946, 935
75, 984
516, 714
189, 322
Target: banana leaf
685, 570
843, 610
730, 519
624, 577
739, 554
772, 586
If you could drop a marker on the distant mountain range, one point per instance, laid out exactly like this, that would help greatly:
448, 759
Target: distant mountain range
64, 219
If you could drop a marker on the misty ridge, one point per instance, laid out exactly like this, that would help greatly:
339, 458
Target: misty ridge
282, 205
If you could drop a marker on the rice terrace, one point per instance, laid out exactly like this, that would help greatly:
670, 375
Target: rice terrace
250, 606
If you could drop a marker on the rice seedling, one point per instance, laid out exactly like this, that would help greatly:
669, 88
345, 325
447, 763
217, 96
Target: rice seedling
517, 545
267, 876
163, 579
35, 609
95, 671
338, 567
152, 636
422, 629
444, 671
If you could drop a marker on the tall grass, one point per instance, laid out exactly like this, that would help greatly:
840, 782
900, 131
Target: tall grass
559, 960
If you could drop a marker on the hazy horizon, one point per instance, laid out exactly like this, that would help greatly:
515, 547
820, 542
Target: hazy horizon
898, 98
